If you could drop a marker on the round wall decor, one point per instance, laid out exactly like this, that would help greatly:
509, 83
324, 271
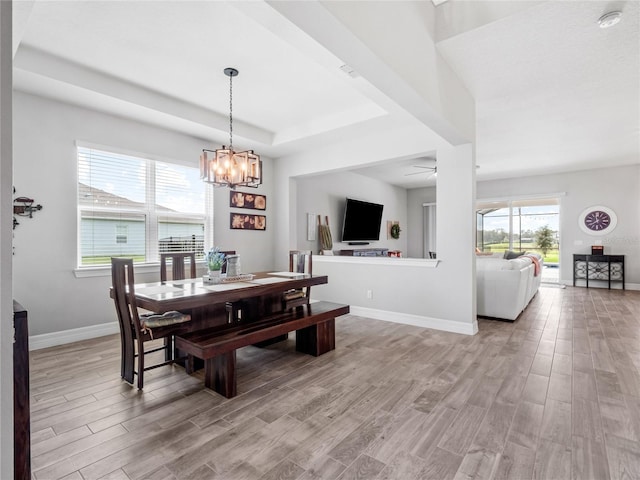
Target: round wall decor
597, 220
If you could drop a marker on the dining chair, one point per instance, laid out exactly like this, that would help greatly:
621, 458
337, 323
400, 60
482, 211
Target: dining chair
178, 272
177, 265
136, 329
300, 261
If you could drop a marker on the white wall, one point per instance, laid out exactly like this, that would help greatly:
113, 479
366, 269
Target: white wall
416, 197
45, 167
325, 195
412, 291
6, 201
617, 188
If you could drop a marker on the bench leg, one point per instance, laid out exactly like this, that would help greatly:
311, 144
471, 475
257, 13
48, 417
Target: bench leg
220, 374
317, 339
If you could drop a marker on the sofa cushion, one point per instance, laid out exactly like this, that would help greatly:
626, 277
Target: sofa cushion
491, 264
509, 254
518, 263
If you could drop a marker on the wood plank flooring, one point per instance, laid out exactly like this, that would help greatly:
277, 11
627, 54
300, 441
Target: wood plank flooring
554, 395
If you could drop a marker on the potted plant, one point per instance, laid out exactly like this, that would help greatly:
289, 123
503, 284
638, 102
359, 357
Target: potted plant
215, 260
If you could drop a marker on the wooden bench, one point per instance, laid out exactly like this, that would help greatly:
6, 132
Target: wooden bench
315, 334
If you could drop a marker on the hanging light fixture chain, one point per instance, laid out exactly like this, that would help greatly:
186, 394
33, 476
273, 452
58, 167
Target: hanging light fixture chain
230, 112
226, 168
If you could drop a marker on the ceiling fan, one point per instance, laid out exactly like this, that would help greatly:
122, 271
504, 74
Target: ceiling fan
432, 171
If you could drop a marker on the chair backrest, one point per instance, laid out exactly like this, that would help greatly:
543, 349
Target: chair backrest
300, 261
226, 253
177, 265
124, 296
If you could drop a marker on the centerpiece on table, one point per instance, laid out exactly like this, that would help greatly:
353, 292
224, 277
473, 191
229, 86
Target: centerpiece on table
215, 260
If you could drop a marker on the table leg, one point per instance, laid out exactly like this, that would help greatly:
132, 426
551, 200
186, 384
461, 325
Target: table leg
220, 374
317, 339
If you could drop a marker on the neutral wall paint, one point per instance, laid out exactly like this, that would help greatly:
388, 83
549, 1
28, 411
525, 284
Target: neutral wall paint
45, 133
416, 198
617, 188
325, 195
6, 202
371, 147
441, 297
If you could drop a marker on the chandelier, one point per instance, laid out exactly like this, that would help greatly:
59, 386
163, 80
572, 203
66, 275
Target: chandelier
224, 167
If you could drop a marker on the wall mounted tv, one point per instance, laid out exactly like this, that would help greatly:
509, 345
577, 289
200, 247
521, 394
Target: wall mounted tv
362, 222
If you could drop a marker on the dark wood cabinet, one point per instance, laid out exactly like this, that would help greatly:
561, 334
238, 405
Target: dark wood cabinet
21, 406
608, 268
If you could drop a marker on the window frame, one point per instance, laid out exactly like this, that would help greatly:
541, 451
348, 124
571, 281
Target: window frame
152, 216
516, 203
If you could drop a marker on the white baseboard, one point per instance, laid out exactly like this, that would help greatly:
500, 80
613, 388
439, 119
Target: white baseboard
416, 320
603, 284
36, 342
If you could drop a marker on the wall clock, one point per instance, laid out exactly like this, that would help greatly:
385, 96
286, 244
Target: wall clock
597, 220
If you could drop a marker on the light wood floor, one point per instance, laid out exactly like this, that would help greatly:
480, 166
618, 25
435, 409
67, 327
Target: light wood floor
555, 395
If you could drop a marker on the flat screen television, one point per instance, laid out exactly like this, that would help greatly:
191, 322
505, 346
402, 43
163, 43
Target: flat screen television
362, 222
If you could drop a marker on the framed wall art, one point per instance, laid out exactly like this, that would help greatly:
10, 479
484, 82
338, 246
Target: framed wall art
241, 221
247, 200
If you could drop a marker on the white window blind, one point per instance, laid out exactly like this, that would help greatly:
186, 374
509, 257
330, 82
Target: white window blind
139, 208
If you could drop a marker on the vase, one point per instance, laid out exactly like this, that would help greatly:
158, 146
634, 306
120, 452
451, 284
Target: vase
214, 276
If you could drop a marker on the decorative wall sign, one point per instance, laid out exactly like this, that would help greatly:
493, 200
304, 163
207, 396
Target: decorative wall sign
247, 200
311, 227
240, 221
597, 220
393, 229
23, 207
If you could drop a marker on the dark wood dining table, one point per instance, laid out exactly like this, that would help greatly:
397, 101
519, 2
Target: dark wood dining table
209, 304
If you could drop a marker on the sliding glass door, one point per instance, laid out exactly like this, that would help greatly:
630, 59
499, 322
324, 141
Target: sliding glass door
530, 225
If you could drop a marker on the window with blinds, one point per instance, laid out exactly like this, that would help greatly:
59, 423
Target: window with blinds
139, 208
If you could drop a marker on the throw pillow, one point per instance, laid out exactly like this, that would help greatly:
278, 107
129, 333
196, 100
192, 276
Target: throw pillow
509, 255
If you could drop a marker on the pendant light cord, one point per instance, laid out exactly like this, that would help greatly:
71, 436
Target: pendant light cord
231, 112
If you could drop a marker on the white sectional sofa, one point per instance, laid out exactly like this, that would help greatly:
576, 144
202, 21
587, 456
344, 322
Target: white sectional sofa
505, 287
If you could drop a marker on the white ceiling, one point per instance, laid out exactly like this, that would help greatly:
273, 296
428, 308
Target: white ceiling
553, 92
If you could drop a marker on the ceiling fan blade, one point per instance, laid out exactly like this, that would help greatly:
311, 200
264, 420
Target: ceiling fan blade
418, 173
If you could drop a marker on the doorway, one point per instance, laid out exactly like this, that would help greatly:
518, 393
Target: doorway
522, 225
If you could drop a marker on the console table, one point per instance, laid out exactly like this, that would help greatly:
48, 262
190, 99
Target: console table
609, 268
